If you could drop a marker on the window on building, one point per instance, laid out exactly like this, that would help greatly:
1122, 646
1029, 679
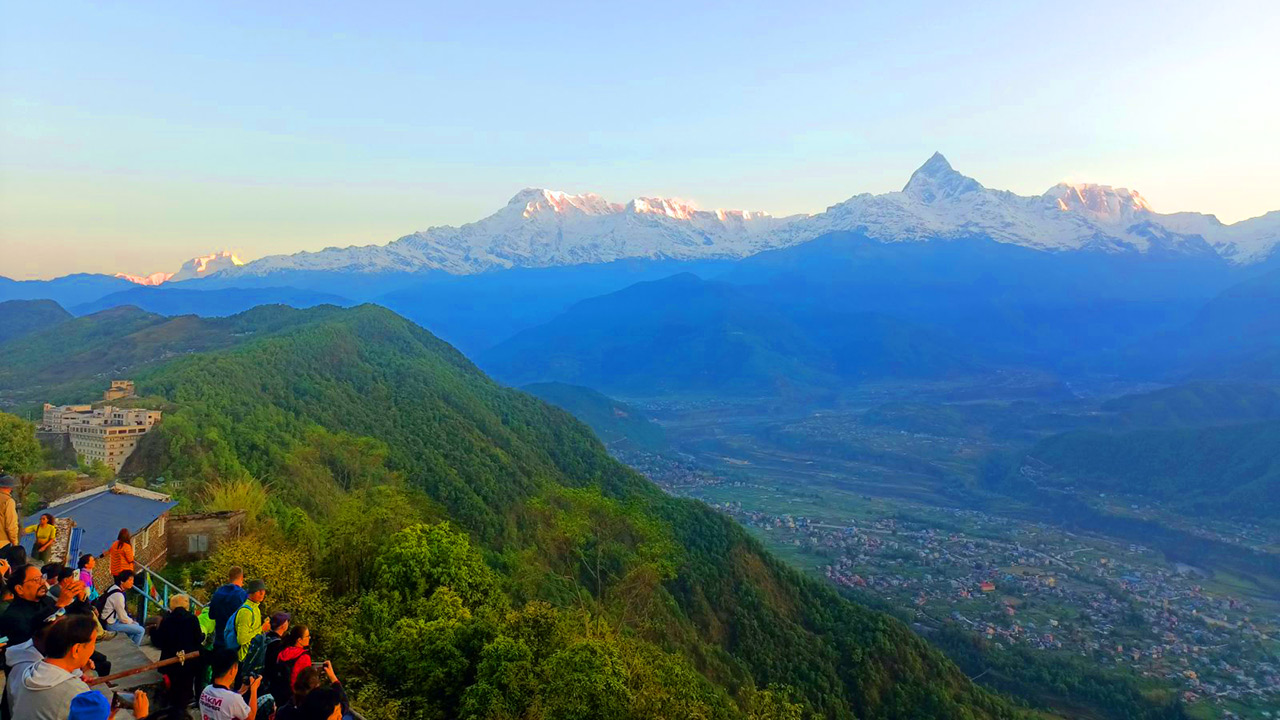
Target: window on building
197, 544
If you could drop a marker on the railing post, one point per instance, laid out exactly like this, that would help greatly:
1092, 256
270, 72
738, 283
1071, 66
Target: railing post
146, 594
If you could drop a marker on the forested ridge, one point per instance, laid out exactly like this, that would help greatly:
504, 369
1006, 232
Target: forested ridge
1170, 465
473, 552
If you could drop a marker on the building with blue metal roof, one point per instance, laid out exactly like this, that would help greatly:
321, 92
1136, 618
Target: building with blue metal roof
98, 515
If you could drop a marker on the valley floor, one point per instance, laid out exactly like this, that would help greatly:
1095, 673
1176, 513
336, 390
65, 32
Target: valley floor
889, 516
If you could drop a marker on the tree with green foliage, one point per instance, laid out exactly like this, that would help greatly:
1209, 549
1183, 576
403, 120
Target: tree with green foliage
46, 487
20, 452
96, 469
291, 584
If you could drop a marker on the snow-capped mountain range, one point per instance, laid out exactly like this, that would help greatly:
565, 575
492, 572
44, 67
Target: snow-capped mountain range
544, 228
939, 203
196, 267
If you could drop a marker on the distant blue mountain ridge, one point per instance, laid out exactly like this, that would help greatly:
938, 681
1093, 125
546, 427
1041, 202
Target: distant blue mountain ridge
945, 306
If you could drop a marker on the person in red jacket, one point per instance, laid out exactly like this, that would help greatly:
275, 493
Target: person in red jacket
295, 656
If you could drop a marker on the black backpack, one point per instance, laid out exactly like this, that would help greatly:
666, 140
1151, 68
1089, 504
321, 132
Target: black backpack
100, 602
279, 680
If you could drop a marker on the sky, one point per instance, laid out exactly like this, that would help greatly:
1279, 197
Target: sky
136, 135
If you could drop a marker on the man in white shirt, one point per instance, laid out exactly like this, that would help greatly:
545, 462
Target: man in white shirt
115, 616
219, 701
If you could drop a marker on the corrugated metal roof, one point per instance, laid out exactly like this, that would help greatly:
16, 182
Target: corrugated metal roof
100, 515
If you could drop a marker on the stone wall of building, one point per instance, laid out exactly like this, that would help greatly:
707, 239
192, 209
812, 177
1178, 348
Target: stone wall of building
193, 537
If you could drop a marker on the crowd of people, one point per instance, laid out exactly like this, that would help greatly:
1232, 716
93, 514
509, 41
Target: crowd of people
231, 662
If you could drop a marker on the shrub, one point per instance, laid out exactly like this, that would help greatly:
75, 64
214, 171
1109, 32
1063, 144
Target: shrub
291, 585
242, 494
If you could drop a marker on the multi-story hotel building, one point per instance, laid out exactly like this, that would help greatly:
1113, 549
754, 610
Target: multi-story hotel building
106, 433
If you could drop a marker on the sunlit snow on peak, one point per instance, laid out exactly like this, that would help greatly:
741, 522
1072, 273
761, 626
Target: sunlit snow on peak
1102, 201
671, 207
196, 267
537, 201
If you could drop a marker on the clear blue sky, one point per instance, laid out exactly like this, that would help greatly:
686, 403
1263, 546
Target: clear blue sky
135, 135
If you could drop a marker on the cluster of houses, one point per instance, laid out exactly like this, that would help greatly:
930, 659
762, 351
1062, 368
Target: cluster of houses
1029, 584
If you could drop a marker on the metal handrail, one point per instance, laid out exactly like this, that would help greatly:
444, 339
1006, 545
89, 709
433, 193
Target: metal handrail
163, 601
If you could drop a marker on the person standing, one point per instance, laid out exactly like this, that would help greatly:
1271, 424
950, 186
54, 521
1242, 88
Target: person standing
120, 554
8, 512
248, 626
274, 644
224, 603
294, 656
179, 632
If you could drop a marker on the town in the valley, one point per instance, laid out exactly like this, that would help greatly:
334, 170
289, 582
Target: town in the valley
1022, 583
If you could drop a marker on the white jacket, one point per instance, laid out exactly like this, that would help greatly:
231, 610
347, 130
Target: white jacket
113, 610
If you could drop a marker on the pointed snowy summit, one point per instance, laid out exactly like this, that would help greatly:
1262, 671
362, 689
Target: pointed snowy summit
937, 180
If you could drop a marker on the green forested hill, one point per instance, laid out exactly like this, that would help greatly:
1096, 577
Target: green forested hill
20, 317
563, 585
1196, 404
614, 422
1233, 470
685, 335
69, 361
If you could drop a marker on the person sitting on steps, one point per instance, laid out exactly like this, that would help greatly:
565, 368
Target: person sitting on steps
115, 616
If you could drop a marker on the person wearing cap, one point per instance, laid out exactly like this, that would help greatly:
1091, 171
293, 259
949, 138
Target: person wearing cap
248, 620
8, 511
279, 625
90, 705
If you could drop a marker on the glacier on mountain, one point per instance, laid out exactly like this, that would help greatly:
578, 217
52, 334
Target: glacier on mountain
545, 228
